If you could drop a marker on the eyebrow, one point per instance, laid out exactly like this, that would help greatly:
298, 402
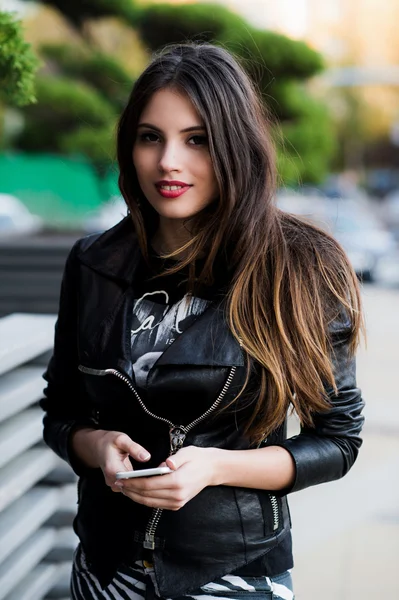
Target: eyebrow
186, 130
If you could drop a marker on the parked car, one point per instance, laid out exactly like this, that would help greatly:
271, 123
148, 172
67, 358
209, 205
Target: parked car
390, 212
352, 222
15, 218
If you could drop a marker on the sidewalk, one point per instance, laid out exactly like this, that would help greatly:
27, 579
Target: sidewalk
346, 533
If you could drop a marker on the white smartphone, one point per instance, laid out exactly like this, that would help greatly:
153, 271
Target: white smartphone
143, 473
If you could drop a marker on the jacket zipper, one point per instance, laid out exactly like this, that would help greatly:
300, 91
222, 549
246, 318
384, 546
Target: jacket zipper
273, 499
177, 433
274, 503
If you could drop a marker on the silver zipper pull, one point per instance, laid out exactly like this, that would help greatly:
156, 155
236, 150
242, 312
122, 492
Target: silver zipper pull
149, 541
177, 436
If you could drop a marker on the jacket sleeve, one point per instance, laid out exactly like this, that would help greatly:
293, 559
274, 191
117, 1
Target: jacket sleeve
63, 403
328, 450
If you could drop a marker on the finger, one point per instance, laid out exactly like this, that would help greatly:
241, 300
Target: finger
165, 493
182, 456
128, 465
109, 472
150, 484
113, 466
171, 463
125, 443
154, 502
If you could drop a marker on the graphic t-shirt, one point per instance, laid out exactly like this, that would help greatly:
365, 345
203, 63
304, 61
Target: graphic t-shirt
157, 322
162, 311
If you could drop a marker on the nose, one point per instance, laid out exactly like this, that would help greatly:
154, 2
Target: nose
169, 159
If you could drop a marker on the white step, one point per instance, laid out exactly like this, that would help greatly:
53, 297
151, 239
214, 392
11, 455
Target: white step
24, 472
62, 474
39, 582
61, 590
23, 337
20, 432
19, 389
25, 516
24, 559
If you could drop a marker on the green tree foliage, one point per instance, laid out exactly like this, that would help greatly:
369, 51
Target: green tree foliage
81, 91
162, 24
82, 118
63, 106
18, 64
275, 54
79, 11
99, 70
278, 65
305, 136
97, 143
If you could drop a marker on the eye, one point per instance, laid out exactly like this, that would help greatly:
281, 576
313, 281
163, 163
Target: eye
148, 136
198, 140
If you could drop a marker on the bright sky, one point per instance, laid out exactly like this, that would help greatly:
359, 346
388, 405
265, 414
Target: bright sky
288, 16
296, 16
17, 6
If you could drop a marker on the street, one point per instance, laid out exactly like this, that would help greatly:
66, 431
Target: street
346, 533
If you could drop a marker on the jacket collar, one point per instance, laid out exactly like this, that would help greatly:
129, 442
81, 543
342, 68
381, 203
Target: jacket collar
115, 253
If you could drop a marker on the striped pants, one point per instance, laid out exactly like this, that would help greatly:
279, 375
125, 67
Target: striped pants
137, 582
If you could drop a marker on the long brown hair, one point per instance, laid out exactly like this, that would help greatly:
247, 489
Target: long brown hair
289, 279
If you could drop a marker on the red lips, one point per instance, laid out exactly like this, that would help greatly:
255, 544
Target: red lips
182, 188
171, 182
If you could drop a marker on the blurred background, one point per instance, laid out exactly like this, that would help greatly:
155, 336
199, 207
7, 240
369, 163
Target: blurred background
328, 70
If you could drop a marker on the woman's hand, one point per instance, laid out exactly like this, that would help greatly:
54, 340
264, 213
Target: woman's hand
107, 450
270, 468
193, 470
114, 449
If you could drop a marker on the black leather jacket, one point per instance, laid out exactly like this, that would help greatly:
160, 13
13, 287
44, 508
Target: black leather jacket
90, 384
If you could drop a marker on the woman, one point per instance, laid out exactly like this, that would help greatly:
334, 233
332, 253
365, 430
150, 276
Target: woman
184, 334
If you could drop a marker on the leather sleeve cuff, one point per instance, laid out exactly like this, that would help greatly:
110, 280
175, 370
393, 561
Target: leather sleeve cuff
58, 435
317, 460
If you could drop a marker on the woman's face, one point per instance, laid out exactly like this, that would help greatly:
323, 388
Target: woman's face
171, 157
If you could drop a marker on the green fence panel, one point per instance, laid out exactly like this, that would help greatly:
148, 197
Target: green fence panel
61, 190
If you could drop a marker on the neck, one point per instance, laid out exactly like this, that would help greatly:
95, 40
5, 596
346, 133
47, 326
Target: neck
170, 235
